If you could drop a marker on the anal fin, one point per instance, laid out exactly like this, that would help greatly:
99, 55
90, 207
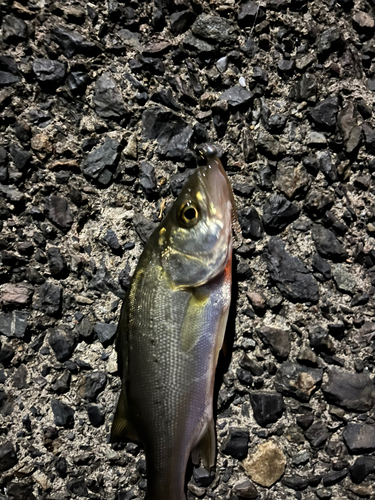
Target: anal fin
205, 450
122, 427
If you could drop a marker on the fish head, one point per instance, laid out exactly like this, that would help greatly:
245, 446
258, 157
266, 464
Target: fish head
196, 235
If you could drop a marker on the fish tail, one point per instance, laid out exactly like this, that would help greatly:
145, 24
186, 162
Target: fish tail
161, 488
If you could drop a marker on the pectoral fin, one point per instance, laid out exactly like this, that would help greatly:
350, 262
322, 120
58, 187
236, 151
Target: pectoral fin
122, 428
195, 315
206, 447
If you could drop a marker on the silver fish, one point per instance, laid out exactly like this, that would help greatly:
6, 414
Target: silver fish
171, 331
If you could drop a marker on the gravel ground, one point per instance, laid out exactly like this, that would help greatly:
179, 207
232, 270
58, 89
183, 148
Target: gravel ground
103, 107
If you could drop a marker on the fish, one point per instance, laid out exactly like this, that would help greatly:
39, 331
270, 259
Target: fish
171, 330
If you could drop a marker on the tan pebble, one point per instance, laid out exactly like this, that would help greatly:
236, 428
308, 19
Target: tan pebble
257, 300
370, 227
266, 465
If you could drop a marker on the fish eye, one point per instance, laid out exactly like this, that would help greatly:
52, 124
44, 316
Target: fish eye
189, 214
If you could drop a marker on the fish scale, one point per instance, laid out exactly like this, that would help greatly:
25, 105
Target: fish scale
171, 330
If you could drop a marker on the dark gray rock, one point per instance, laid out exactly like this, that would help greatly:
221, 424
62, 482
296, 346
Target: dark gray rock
347, 124
244, 376
63, 415
325, 112
317, 434
327, 167
361, 468
19, 491
197, 45
318, 202
92, 385
181, 21
6, 354
20, 157
251, 223
286, 67
359, 438
328, 41
269, 146
143, 227
321, 266
166, 98
147, 179
77, 81
327, 244
105, 332
236, 443
278, 213
9, 72
295, 482
291, 277
369, 137
58, 211
50, 298
352, 391
297, 381
78, 487
237, 97
61, 466
268, 407
112, 241
49, 71
344, 279
250, 14
14, 324
101, 161
20, 377
96, 416
306, 89
246, 489
14, 29
215, 28
72, 42
62, 384
8, 456
334, 477
320, 340
108, 99
278, 340
57, 263
63, 344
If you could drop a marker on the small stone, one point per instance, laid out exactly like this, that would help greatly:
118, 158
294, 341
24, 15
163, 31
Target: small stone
215, 28
78, 487
63, 415
108, 99
77, 81
292, 278
202, 477
195, 44
291, 180
8, 456
14, 324
100, 161
267, 407
92, 385
251, 223
143, 227
49, 71
278, 213
9, 73
362, 467
250, 14
266, 464
181, 21
317, 139
363, 23
301, 458
96, 416
20, 378
334, 477
147, 179
50, 298
278, 340
72, 42
105, 332
246, 489
61, 466
327, 167
347, 124
295, 482
112, 241
317, 202
324, 493
352, 391
359, 438
269, 146
297, 381
327, 243
307, 87
369, 137
321, 266
307, 356
62, 384
237, 97
236, 443
62, 343
16, 295
343, 279
317, 434
328, 41
57, 263
325, 112
257, 300
58, 211
14, 29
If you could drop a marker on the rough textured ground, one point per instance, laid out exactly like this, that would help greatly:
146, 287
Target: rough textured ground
103, 106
